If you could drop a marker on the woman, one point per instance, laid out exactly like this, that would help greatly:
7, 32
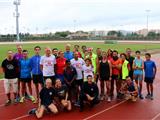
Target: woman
60, 66
105, 72
62, 93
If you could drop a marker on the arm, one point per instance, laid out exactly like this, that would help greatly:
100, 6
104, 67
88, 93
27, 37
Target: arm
110, 67
155, 70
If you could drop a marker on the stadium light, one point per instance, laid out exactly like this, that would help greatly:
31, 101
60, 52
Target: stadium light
17, 3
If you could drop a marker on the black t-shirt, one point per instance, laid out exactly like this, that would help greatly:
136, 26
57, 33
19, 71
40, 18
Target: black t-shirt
10, 68
90, 89
130, 60
47, 95
61, 92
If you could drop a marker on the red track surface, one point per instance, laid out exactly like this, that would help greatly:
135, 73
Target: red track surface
116, 110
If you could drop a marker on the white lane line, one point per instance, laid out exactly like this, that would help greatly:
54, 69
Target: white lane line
155, 117
24, 116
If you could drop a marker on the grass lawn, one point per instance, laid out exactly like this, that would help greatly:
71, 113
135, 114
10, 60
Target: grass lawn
60, 46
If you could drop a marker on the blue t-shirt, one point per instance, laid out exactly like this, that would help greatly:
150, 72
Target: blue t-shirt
148, 68
138, 62
25, 68
35, 65
68, 55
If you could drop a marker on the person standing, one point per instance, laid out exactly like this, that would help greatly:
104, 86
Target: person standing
10, 69
150, 73
138, 66
68, 54
130, 59
47, 64
61, 63
25, 76
36, 71
105, 72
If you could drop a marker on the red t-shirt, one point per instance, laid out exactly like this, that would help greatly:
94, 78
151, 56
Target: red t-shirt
61, 63
116, 71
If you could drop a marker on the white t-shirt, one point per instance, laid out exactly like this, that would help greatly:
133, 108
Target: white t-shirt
78, 66
48, 65
87, 70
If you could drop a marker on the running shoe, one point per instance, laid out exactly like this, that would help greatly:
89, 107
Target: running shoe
32, 99
22, 99
8, 102
141, 96
109, 99
151, 97
33, 111
148, 96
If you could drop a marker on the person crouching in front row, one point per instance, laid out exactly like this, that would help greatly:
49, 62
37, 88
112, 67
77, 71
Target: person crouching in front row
132, 90
89, 93
46, 100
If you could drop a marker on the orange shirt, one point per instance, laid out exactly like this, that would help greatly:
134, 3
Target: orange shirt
116, 71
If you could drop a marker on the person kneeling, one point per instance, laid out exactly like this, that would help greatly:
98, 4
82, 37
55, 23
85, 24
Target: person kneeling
47, 95
132, 90
89, 93
62, 93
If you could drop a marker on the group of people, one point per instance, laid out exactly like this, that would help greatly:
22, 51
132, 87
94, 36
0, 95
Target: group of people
62, 79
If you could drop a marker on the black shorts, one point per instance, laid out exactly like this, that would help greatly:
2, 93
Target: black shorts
25, 80
53, 78
115, 77
104, 78
38, 79
149, 80
79, 82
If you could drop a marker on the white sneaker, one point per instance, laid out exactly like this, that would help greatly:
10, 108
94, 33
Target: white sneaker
109, 99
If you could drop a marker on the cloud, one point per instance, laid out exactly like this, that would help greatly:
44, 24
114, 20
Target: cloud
52, 15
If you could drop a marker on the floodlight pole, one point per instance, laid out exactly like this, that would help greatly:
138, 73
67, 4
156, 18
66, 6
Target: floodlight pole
16, 3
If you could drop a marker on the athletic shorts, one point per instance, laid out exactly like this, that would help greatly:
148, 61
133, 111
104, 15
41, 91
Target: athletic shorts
138, 77
26, 80
79, 82
149, 80
11, 82
38, 79
104, 78
115, 77
53, 78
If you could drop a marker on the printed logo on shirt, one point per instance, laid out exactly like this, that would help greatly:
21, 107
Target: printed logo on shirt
50, 93
10, 67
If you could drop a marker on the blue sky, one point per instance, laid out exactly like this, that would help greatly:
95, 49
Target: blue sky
44, 16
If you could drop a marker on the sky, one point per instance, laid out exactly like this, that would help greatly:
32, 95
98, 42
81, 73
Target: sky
44, 16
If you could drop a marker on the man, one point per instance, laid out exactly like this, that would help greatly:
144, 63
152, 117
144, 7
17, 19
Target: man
84, 49
76, 49
150, 73
89, 93
77, 63
36, 71
62, 93
116, 69
70, 75
130, 59
46, 100
138, 66
99, 58
25, 76
10, 69
132, 90
68, 54
18, 56
55, 52
47, 64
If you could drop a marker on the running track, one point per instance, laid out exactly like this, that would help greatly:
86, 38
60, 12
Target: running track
116, 110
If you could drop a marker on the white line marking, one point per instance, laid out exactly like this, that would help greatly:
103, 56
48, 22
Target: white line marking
21, 117
156, 116
105, 110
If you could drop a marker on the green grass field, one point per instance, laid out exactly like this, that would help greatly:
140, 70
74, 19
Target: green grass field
60, 46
